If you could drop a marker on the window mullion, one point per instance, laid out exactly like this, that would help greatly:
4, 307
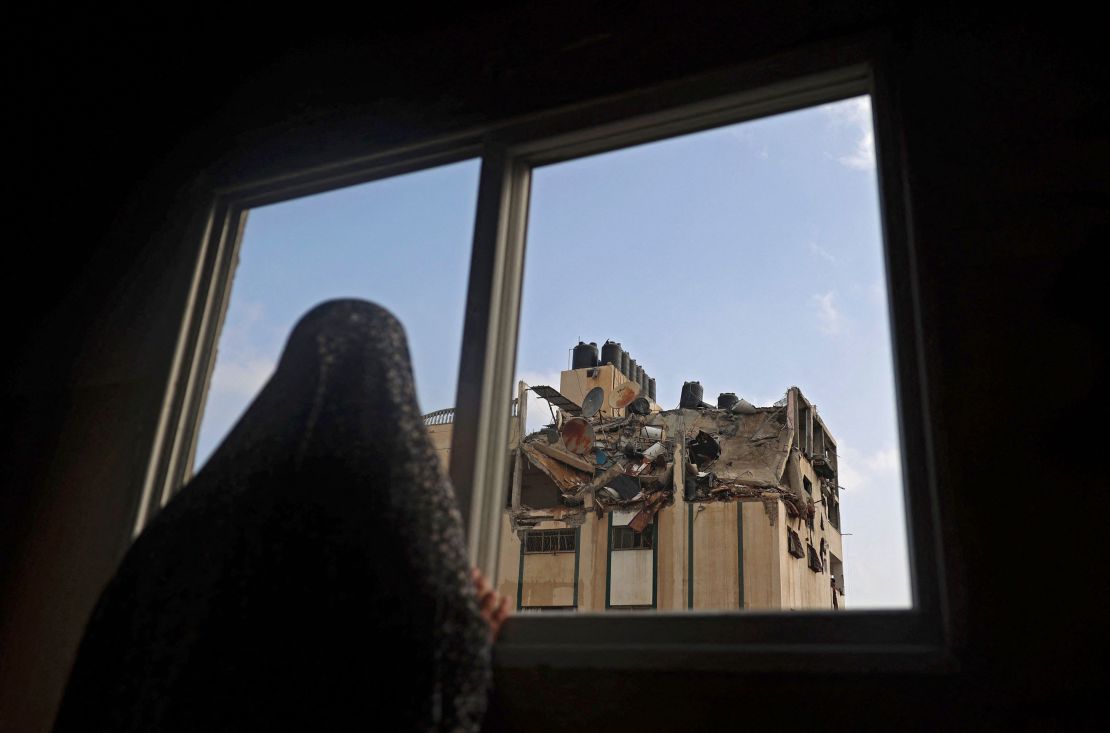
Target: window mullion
480, 440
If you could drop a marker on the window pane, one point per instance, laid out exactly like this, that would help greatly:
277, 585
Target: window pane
705, 343
402, 242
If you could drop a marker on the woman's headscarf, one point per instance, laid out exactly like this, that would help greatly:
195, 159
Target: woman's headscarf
313, 575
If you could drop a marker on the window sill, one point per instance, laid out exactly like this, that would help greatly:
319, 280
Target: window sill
865, 642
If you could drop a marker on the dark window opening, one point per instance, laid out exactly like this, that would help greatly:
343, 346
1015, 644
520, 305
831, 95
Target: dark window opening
815, 563
803, 430
794, 544
549, 540
536, 488
626, 538
836, 568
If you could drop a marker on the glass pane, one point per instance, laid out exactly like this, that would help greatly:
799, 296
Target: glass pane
402, 242
705, 347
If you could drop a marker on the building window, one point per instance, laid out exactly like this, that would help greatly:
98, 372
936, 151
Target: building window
794, 544
815, 563
836, 569
510, 157
549, 541
692, 207
803, 429
631, 572
626, 538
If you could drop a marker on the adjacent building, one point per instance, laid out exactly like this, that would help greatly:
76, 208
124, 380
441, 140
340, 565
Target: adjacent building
621, 504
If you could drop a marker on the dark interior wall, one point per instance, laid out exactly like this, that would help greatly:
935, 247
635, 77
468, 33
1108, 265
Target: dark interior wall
1004, 125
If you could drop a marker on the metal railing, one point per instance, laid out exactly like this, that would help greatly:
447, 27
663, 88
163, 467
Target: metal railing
440, 417
447, 416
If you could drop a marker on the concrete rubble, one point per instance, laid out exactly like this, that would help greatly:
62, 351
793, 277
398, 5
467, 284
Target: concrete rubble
743, 453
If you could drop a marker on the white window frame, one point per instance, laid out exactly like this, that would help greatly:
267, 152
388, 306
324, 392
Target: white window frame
915, 638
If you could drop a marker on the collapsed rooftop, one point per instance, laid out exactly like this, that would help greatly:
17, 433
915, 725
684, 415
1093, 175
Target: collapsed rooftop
618, 450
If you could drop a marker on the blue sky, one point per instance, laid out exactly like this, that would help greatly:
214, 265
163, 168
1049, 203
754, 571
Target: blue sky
746, 257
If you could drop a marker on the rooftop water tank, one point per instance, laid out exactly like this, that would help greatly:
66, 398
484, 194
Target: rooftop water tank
611, 353
691, 395
585, 356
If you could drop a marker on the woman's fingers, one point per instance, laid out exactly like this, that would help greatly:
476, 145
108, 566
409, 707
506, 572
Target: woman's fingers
500, 613
494, 607
488, 601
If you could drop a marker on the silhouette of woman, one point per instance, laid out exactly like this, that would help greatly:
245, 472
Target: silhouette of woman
313, 574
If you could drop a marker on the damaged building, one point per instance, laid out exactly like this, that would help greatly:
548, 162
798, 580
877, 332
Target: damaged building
621, 504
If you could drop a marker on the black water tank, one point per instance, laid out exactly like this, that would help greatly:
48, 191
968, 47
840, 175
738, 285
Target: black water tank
611, 353
624, 363
691, 395
632, 367
651, 389
726, 400
585, 356
643, 382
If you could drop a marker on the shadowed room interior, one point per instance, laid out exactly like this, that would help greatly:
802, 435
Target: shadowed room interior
1002, 125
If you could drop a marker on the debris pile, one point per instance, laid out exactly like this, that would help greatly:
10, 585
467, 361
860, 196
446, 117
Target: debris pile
600, 463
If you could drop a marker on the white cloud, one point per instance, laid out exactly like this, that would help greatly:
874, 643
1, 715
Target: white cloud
821, 252
860, 473
849, 477
875, 558
241, 378
828, 316
241, 366
761, 399
538, 412
855, 115
863, 157
884, 462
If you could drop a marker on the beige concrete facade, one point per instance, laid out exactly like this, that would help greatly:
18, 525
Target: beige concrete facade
441, 441
574, 384
709, 579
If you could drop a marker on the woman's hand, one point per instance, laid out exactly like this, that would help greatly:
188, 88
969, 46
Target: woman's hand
494, 606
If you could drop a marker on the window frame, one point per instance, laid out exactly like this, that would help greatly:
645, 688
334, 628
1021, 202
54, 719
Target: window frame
556, 534
911, 639
647, 536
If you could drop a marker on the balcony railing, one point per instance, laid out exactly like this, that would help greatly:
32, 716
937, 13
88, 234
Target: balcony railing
447, 416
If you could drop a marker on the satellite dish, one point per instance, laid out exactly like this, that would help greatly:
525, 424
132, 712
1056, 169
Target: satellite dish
578, 436
640, 406
624, 394
595, 398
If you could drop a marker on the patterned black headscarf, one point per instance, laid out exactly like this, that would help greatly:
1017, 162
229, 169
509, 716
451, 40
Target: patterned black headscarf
312, 576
